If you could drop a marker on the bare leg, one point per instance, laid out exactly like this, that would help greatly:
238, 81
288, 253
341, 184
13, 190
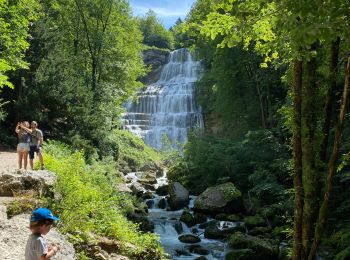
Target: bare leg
25, 159
41, 159
20, 156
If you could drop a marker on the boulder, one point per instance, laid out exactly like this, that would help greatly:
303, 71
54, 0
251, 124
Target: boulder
201, 251
254, 221
213, 232
162, 190
262, 248
189, 239
162, 203
178, 227
200, 218
224, 198
187, 218
179, 196
16, 182
137, 189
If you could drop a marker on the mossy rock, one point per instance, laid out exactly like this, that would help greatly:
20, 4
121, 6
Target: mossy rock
187, 218
200, 218
189, 239
240, 254
262, 248
233, 217
201, 251
224, 198
254, 221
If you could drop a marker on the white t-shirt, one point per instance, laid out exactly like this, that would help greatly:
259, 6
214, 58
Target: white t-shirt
36, 247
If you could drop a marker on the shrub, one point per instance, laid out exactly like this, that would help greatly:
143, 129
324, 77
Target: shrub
89, 202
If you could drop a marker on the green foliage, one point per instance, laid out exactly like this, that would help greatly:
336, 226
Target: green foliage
24, 204
89, 202
154, 32
85, 62
258, 164
15, 20
133, 151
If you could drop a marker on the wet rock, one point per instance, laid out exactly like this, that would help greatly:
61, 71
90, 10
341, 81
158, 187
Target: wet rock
150, 204
178, 227
142, 220
201, 251
254, 221
162, 203
189, 238
187, 218
162, 190
15, 182
262, 248
137, 189
194, 230
224, 198
200, 218
214, 232
179, 252
147, 195
179, 196
240, 254
149, 186
207, 224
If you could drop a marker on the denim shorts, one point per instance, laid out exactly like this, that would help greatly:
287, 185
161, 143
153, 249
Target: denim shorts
34, 149
23, 147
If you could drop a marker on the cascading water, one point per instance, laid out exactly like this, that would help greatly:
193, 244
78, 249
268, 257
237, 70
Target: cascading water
167, 108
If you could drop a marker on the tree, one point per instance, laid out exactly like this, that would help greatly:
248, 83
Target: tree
154, 32
296, 34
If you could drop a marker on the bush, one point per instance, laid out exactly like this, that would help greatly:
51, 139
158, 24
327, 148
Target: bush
89, 202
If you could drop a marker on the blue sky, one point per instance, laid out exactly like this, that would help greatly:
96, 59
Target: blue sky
167, 10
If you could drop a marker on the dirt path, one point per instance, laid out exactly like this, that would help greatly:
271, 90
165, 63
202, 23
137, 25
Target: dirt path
8, 160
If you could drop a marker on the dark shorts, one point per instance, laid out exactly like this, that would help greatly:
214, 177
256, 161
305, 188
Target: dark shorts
34, 149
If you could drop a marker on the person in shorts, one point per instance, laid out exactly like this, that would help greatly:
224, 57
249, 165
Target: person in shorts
40, 224
36, 145
23, 132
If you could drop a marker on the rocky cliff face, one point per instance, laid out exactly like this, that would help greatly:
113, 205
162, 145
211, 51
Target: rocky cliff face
155, 59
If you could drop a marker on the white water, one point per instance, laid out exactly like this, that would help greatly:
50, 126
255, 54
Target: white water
167, 108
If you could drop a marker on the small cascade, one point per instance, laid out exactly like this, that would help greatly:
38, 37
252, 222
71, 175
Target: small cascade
167, 109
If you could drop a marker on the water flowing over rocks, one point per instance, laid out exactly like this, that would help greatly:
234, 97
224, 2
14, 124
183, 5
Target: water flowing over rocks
222, 198
167, 109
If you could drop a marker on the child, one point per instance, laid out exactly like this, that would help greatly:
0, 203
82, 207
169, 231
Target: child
40, 224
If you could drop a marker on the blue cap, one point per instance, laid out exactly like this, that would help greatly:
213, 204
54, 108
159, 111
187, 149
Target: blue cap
42, 214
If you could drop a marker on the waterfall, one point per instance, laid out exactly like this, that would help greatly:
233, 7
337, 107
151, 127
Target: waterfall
167, 108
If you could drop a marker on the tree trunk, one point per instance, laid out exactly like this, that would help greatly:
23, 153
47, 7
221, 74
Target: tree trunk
261, 103
309, 172
297, 158
323, 213
330, 97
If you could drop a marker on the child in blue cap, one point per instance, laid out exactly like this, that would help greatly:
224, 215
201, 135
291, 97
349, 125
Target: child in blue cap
40, 224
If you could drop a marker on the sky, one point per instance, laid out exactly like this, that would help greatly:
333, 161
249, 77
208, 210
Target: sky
167, 10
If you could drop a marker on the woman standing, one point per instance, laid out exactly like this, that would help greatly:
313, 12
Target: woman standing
23, 131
